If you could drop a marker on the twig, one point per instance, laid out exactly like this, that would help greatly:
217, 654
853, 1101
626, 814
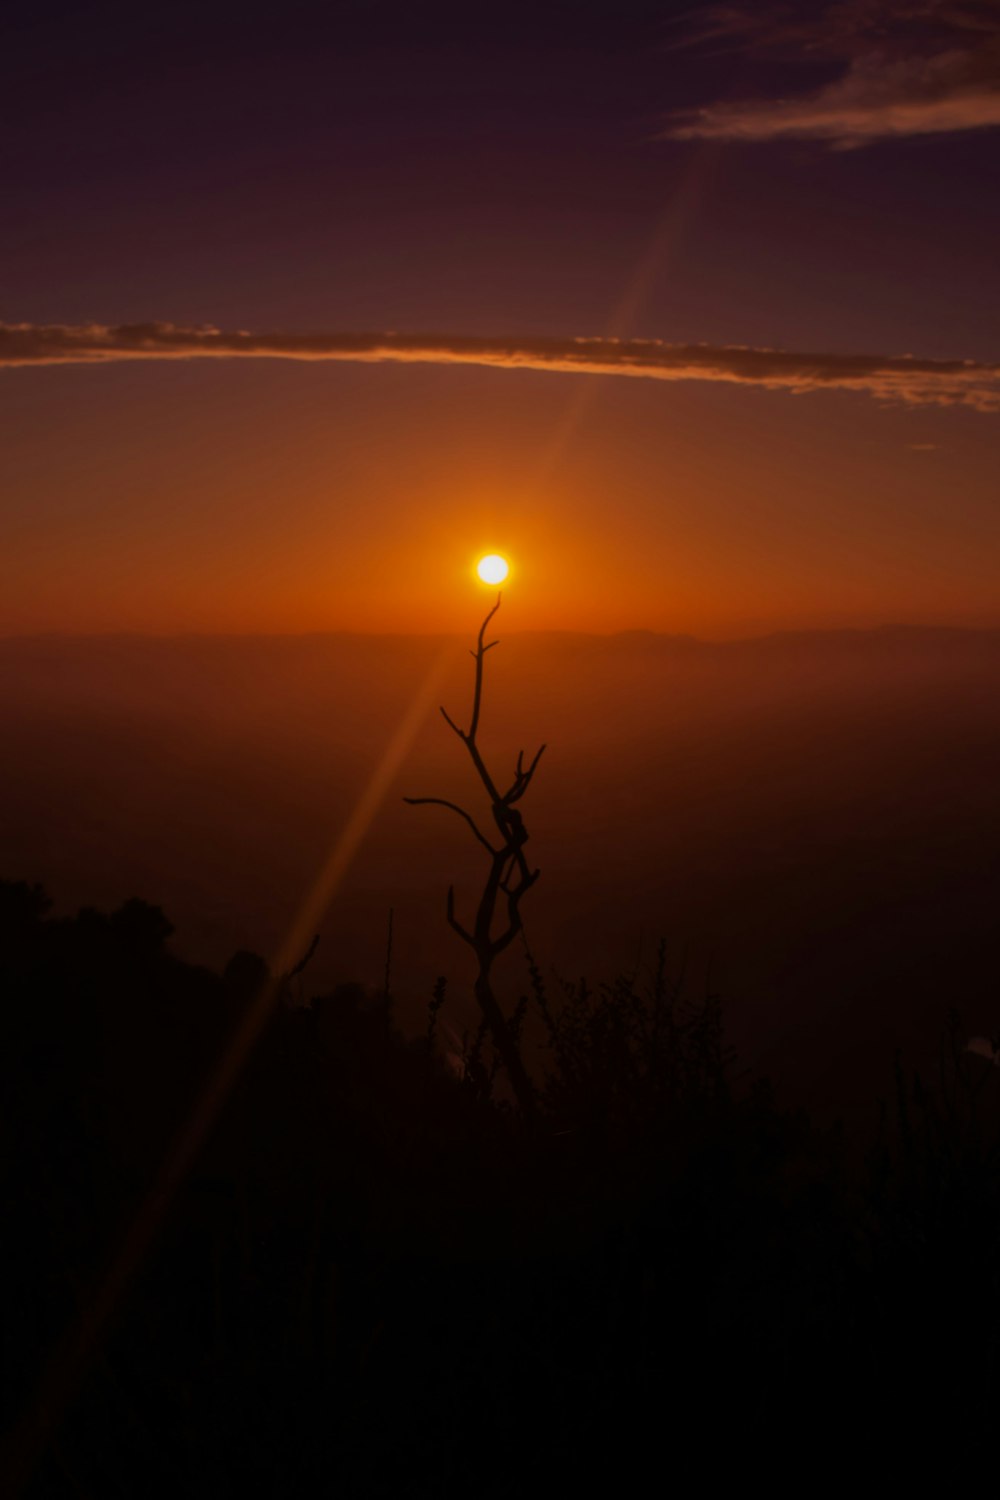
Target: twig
442, 802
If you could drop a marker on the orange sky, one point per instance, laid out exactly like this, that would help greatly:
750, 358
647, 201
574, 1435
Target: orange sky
782, 223
288, 498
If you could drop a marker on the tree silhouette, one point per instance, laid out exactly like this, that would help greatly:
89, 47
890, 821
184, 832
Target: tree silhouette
508, 876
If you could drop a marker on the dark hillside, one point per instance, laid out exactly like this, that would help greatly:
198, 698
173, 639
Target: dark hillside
371, 1276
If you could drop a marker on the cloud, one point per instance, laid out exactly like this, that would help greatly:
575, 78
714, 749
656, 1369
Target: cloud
898, 378
905, 68
895, 378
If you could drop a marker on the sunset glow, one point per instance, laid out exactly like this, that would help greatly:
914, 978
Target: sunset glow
419, 1013
749, 418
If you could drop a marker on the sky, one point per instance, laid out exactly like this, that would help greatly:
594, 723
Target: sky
692, 310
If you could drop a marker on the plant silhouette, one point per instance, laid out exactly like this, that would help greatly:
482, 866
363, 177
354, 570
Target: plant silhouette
362, 1243
508, 878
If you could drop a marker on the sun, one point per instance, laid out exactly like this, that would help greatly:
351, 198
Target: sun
493, 568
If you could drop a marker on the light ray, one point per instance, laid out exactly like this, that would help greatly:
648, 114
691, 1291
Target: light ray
327, 882
673, 223
72, 1357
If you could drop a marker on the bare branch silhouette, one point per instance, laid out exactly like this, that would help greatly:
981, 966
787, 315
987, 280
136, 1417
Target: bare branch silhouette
442, 802
508, 878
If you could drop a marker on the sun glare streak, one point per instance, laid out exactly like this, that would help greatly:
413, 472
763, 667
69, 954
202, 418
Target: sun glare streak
72, 1356
676, 219
315, 903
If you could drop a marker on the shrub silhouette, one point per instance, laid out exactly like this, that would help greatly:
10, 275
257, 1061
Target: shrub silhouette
374, 1280
632, 1053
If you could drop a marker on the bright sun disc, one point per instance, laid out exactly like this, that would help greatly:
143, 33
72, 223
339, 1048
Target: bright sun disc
492, 569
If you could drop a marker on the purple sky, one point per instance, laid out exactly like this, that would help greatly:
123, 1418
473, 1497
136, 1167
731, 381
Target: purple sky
817, 178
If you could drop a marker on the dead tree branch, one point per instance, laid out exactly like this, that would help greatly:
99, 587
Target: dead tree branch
441, 802
508, 878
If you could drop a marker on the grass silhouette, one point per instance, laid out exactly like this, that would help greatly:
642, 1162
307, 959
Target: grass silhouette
376, 1280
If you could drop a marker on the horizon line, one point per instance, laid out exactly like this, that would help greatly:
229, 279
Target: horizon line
780, 632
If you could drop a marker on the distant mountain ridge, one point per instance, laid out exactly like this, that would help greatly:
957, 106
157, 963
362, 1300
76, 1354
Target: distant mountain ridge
848, 633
